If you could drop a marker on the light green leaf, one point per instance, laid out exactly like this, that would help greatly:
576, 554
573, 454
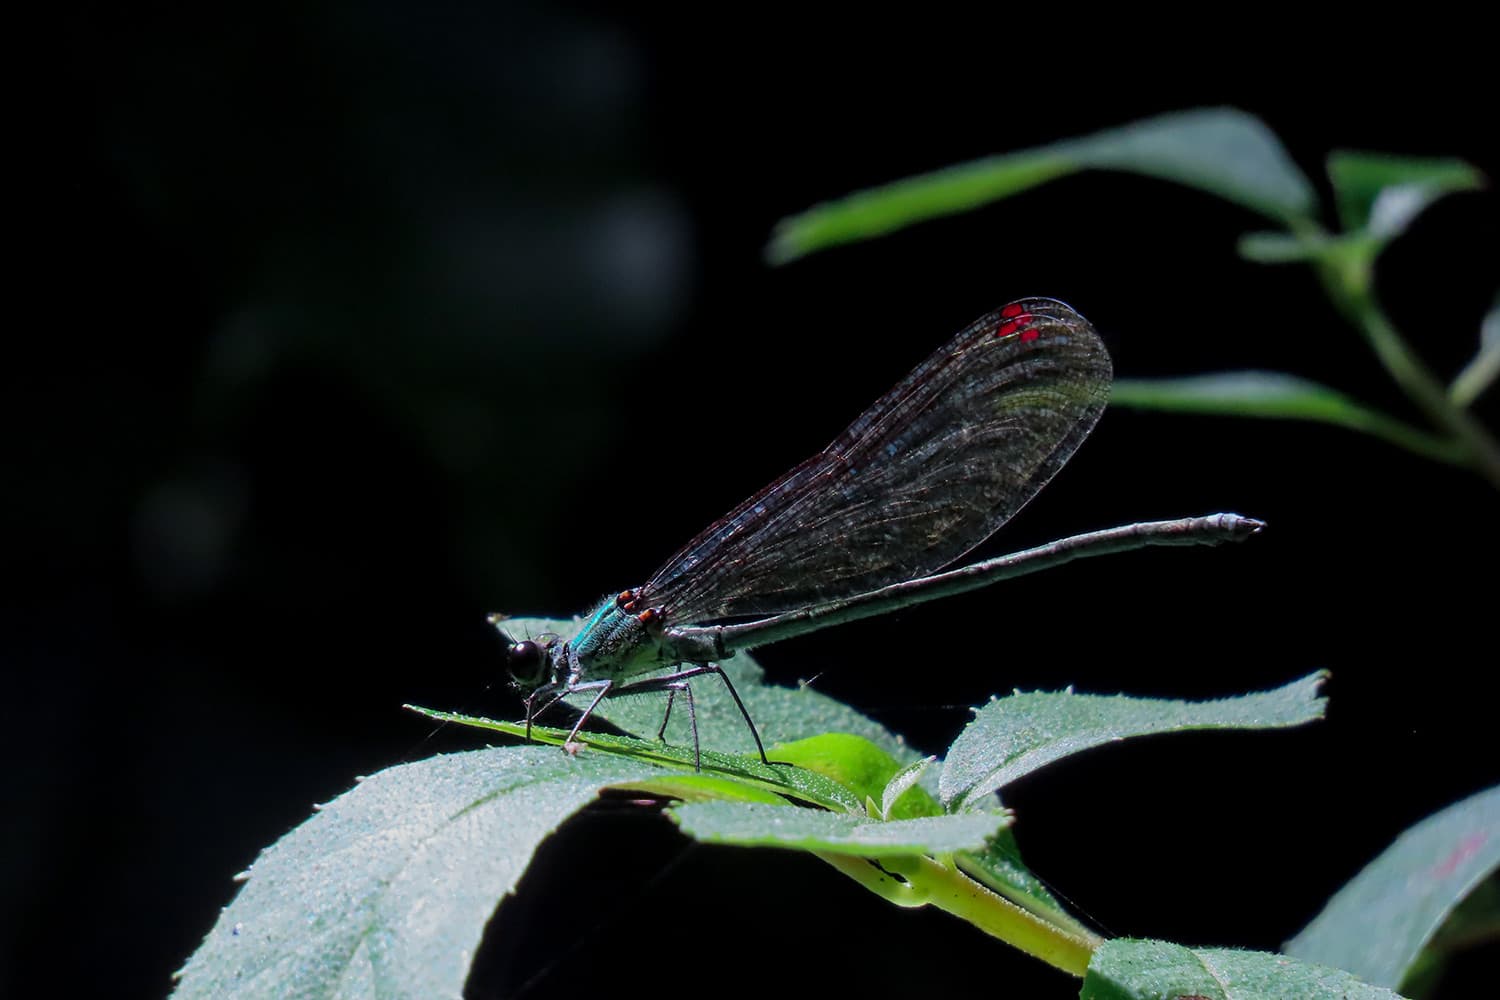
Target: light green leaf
755, 824
782, 714
385, 891
1377, 924
852, 761
860, 766
1220, 150
1382, 194
1126, 969
1013, 736
1277, 396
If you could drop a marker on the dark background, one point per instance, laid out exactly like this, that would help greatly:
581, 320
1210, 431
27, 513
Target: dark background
350, 323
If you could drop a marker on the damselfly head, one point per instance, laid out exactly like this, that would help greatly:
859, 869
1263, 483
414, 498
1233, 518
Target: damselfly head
527, 662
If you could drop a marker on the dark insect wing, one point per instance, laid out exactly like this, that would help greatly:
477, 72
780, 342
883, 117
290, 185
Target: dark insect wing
929, 471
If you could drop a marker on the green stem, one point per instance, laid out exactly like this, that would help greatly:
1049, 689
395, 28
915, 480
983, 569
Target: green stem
928, 882
1056, 916
1427, 391
1437, 447
1348, 280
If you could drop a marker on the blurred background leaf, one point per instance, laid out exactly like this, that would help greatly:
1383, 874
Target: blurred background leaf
1219, 150
1378, 924
1278, 396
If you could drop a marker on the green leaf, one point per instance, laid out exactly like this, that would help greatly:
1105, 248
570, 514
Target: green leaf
1223, 151
1377, 924
1013, 736
1382, 194
1481, 371
1126, 969
852, 761
1339, 252
1286, 248
755, 824
721, 771
1473, 923
863, 768
385, 891
902, 798
1281, 397
782, 714
1219, 150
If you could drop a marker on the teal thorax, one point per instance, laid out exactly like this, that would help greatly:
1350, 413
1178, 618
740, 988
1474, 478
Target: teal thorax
613, 644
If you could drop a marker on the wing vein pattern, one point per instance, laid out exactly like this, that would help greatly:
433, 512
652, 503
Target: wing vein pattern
929, 471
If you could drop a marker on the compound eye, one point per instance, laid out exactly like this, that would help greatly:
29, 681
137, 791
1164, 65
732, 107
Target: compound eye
527, 662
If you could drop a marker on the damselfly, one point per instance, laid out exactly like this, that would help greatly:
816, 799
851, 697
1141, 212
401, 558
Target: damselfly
928, 472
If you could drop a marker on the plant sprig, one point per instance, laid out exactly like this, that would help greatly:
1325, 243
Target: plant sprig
1234, 156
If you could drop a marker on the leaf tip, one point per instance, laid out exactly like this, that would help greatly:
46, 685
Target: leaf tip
783, 247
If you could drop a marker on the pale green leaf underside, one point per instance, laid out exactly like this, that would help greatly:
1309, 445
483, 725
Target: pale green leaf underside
1220, 150
1377, 924
1382, 193
385, 891
1013, 736
1480, 372
761, 825
1278, 396
1126, 969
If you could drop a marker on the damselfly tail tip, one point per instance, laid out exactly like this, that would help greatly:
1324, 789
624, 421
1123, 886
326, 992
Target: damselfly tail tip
1243, 527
